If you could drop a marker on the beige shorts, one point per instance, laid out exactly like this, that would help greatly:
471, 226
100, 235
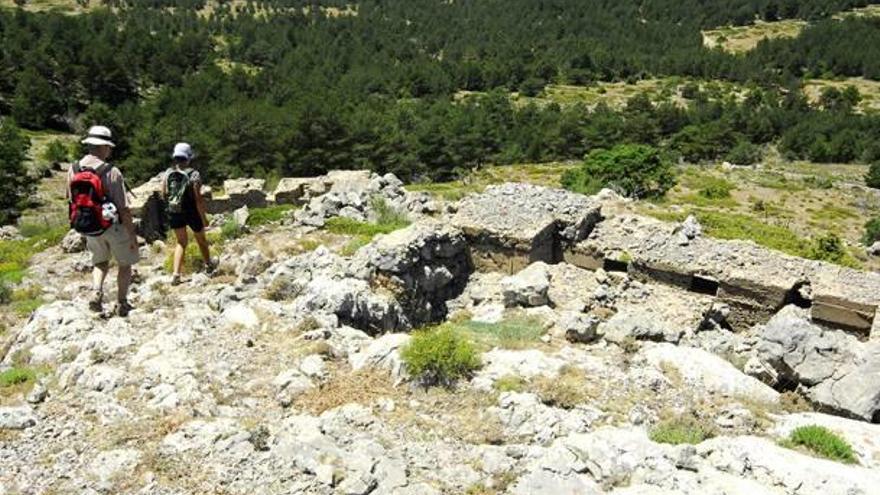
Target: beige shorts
114, 241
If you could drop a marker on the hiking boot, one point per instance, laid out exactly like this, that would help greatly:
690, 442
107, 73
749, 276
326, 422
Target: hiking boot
96, 303
123, 308
175, 279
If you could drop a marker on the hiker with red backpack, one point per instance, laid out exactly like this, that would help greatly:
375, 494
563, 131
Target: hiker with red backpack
182, 190
99, 210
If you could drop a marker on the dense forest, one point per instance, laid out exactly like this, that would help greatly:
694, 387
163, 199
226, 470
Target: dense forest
291, 87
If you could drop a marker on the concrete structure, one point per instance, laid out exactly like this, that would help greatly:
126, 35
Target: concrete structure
511, 226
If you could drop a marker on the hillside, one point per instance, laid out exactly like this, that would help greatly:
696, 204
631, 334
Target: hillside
294, 369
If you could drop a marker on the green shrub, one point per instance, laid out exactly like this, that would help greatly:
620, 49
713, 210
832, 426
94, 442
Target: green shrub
828, 248
872, 178
231, 230
682, 430
744, 153
872, 231
270, 214
822, 442
632, 169
716, 188
818, 182
5, 293
56, 152
439, 356
17, 376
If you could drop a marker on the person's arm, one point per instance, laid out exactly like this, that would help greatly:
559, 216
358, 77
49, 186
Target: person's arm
200, 201
120, 197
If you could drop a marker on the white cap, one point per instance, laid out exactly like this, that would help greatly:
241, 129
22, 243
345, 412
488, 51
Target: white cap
98, 136
182, 150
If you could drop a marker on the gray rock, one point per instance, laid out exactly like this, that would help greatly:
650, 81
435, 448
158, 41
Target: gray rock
73, 242
636, 324
245, 192
10, 233
353, 302
241, 216
528, 287
836, 372
578, 327
251, 264
874, 249
383, 352
689, 230
707, 373
17, 418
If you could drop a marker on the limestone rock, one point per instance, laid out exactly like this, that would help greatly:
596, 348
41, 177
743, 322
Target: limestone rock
292, 190
383, 352
874, 249
703, 371
578, 327
9, 233
638, 325
17, 418
839, 374
251, 264
689, 230
246, 192
528, 287
240, 216
73, 242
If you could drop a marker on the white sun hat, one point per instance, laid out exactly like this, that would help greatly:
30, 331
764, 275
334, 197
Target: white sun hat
98, 136
182, 150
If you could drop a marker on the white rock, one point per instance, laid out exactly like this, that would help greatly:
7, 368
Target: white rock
528, 287
708, 372
114, 465
17, 418
242, 315
383, 352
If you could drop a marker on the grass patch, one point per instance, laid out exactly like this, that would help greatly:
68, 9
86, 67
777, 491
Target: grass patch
681, 430
450, 191
439, 355
270, 214
353, 245
512, 333
347, 226
510, 383
363, 387
192, 256
566, 390
15, 255
17, 376
822, 442
26, 300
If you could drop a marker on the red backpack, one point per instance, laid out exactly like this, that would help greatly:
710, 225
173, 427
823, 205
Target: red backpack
87, 202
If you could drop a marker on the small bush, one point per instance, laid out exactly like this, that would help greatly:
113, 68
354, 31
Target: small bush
744, 153
439, 356
17, 376
56, 152
682, 430
872, 178
231, 230
5, 293
634, 170
872, 231
270, 214
822, 442
716, 188
830, 248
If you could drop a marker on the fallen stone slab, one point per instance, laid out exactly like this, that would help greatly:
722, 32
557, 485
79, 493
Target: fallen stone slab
512, 225
292, 190
246, 192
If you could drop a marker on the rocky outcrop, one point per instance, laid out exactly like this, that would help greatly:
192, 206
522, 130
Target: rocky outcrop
834, 370
354, 194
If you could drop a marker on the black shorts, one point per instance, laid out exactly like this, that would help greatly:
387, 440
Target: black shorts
186, 218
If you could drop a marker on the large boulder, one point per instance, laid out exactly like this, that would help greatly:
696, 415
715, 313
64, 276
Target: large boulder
834, 370
73, 242
246, 192
149, 209
293, 190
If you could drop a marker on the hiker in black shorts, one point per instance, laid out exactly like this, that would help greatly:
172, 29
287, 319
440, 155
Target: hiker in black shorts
181, 188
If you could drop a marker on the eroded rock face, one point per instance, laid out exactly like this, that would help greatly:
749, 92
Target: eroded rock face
836, 371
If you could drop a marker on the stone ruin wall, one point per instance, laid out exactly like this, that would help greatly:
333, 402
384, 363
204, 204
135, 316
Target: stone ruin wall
510, 226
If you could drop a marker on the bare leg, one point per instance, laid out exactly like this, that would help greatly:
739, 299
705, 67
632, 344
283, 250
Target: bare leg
180, 249
123, 281
202, 241
99, 274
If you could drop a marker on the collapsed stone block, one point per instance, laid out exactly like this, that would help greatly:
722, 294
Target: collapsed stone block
245, 192
510, 226
292, 191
